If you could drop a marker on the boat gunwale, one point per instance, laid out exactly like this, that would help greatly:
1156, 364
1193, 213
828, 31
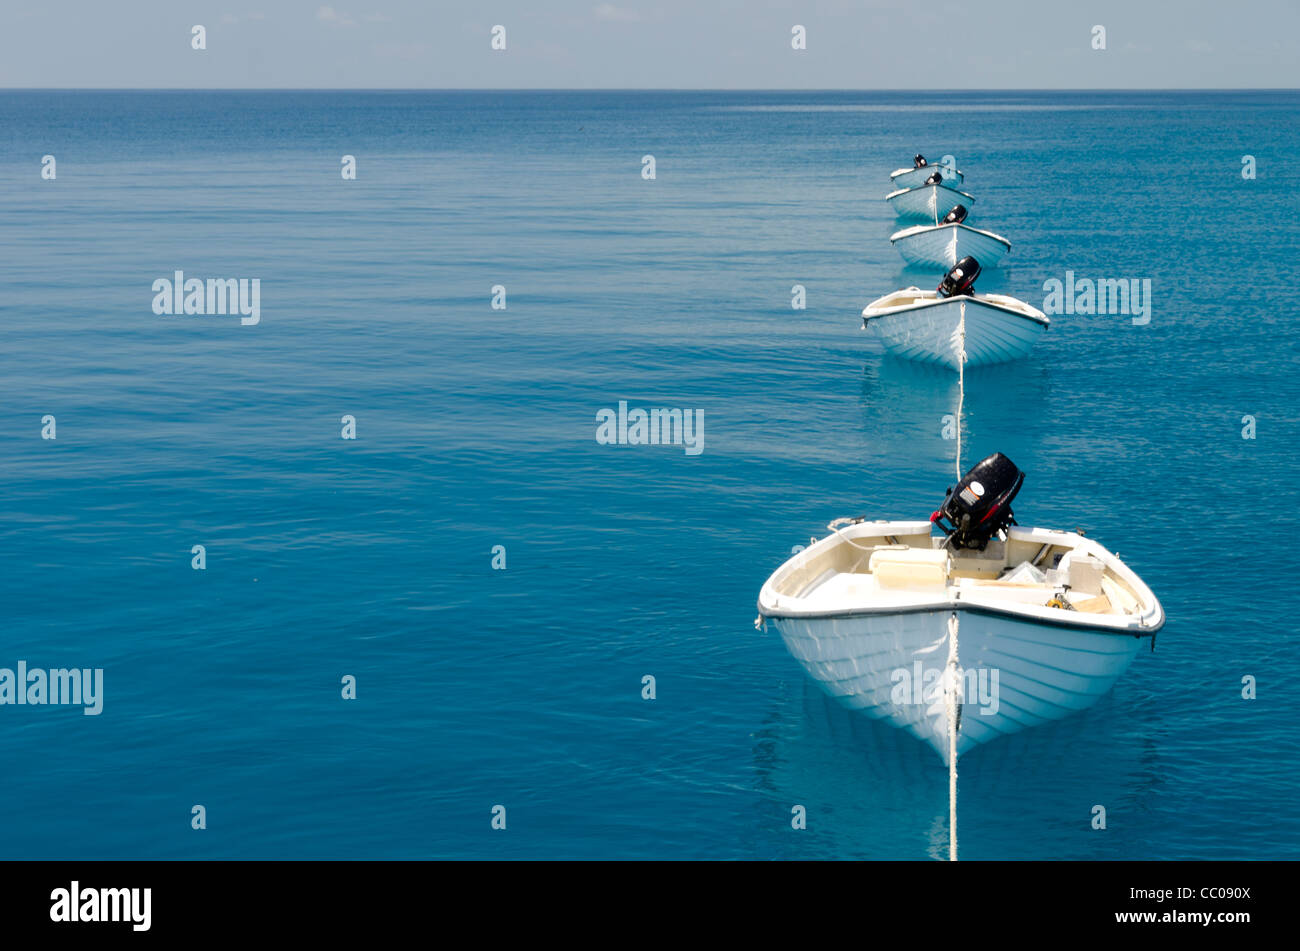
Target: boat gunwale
987, 300
916, 168
957, 604
899, 191
913, 230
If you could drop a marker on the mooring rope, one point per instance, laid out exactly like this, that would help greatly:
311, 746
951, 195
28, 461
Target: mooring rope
835, 527
953, 704
954, 671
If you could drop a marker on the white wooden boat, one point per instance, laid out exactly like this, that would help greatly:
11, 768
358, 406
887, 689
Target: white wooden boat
912, 177
920, 325
891, 619
946, 243
930, 202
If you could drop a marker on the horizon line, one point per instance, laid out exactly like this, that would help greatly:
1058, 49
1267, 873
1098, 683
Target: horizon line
715, 89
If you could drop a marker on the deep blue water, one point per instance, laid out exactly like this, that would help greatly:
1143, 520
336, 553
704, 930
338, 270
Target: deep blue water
476, 428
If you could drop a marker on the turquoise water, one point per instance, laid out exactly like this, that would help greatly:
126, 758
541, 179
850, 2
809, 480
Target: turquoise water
476, 428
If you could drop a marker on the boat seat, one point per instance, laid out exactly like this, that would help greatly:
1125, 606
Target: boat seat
1082, 572
910, 567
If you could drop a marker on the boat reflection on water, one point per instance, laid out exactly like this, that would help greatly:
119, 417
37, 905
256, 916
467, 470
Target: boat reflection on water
872, 792
903, 404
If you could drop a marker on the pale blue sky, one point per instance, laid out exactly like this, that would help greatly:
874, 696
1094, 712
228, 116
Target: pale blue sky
684, 44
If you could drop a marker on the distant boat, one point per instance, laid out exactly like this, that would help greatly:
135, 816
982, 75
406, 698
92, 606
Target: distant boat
929, 200
920, 171
940, 326
946, 243
1044, 621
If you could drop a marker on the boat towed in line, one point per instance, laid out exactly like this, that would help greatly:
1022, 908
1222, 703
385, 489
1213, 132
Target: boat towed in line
946, 243
928, 200
920, 171
1045, 621
952, 325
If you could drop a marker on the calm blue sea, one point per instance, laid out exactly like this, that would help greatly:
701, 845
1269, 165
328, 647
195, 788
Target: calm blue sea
476, 428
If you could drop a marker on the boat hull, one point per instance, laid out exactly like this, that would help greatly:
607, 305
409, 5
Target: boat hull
928, 202
914, 177
1014, 674
942, 246
931, 333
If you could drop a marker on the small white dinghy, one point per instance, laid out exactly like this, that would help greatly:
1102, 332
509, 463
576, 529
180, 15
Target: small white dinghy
920, 171
952, 322
1006, 627
930, 200
946, 243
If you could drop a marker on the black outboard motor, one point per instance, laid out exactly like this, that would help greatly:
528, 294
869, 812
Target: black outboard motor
955, 217
919, 161
960, 281
979, 506
934, 179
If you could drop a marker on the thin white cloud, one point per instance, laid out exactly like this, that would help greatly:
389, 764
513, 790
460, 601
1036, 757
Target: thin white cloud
330, 15
607, 11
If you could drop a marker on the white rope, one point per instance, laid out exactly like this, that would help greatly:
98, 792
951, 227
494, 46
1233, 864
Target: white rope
953, 672
952, 692
835, 527
961, 379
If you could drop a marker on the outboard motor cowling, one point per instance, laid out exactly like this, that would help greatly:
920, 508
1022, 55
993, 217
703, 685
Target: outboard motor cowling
934, 179
979, 506
955, 217
919, 161
960, 281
